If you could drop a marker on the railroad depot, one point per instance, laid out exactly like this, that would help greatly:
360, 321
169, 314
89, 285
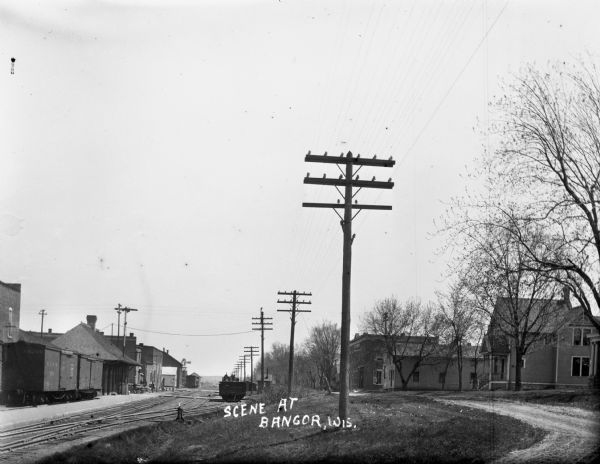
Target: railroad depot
82, 362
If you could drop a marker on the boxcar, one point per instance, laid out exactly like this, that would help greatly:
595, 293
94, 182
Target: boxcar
232, 391
35, 373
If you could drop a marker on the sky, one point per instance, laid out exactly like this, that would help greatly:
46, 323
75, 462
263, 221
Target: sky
152, 153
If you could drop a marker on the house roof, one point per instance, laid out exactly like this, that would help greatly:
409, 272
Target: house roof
33, 337
169, 360
83, 339
15, 287
554, 316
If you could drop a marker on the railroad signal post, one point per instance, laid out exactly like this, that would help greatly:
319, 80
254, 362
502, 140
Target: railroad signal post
262, 323
294, 302
348, 180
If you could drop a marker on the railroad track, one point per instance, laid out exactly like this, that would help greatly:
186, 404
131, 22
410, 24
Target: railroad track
82, 424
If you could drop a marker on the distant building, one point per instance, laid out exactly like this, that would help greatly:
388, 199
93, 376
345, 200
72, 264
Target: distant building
193, 380
172, 371
132, 351
160, 368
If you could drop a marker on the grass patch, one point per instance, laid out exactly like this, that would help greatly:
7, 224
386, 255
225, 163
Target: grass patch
388, 427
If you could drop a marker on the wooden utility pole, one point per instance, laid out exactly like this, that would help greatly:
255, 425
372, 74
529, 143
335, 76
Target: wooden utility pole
42, 313
294, 302
262, 323
348, 181
119, 310
243, 361
125, 310
250, 351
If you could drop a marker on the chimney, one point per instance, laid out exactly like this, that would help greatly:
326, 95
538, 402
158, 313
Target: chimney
356, 335
49, 331
131, 334
91, 321
566, 291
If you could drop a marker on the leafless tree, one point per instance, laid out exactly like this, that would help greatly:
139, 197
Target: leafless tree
550, 159
460, 319
505, 285
409, 331
323, 346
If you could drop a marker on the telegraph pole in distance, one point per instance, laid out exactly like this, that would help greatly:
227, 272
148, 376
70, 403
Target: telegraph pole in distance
42, 313
262, 323
294, 302
243, 360
119, 310
250, 351
125, 310
347, 180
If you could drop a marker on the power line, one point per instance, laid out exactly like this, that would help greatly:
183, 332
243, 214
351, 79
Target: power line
190, 335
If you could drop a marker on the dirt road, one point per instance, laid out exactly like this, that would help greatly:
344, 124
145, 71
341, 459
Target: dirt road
573, 433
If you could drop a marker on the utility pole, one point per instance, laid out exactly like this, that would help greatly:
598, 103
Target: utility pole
125, 310
243, 361
348, 179
294, 302
262, 323
118, 310
42, 313
250, 351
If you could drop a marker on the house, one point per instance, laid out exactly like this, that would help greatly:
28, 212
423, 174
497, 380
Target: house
563, 354
85, 339
10, 310
372, 367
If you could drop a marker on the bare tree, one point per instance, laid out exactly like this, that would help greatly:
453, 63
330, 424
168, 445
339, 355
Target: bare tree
505, 285
550, 158
460, 319
323, 346
409, 331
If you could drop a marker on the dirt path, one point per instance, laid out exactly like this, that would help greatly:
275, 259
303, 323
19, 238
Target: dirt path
573, 432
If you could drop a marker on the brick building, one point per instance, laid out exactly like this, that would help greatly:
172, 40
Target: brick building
372, 367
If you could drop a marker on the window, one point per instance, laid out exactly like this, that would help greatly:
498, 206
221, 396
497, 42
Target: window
580, 336
473, 376
392, 376
522, 363
442, 377
378, 377
416, 377
577, 336
580, 366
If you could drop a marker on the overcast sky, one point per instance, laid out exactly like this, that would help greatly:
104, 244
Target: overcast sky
153, 155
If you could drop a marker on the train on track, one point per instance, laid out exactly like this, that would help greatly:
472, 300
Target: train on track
235, 390
34, 373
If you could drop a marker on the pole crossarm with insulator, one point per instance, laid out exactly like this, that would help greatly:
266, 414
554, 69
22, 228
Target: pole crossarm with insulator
349, 179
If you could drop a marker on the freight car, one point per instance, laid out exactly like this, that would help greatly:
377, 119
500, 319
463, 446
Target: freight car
36, 373
233, 390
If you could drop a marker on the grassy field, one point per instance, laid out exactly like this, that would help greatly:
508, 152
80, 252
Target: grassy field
385, 428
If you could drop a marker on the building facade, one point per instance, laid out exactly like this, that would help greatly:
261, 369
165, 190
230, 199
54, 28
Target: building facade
564, 353
373, 368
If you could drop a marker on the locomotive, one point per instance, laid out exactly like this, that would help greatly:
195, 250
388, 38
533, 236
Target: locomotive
35, 373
